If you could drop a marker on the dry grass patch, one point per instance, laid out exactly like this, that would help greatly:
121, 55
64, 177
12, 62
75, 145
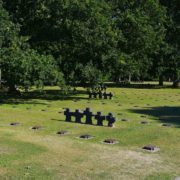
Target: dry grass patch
71, 158
50, 156
6, 150
3, 171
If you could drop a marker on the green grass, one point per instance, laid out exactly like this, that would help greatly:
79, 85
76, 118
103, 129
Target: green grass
28, 154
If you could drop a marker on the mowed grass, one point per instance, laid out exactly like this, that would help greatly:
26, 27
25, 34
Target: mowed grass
42, 154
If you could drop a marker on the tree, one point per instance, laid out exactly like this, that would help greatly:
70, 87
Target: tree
91, 75
119, 39
27, 68
141, 26
173, 39
74, 32
19, 64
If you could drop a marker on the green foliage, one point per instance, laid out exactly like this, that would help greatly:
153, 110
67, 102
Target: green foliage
25, 152
142, 32
21, 65
27, 68
74, 32
91, 75
115, 39
172, 57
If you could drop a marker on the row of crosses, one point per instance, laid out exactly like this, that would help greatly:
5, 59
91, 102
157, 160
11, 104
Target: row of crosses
89, 115
100, 95
100, 87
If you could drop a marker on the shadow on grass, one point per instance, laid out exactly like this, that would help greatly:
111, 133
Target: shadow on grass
83, 122
137, 86
31, 97
165, 114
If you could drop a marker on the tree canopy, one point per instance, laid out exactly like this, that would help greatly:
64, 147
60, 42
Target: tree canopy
19, 64
89, 41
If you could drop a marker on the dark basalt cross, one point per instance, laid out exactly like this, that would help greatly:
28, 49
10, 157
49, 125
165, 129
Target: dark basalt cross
68, 115
88, 113
111, 120
100, 118
100, 95
110, 95
105, 95
90, 95
78, 115
95, 95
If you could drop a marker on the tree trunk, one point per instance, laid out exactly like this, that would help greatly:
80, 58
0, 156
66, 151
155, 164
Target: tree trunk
161, 80
129, 78
119, 79
13, 90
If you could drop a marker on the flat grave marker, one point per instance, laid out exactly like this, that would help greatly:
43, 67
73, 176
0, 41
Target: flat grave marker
151, 148
15, 123
144, 122
167, 125
63, 132
86, 136
110, 141
36, 127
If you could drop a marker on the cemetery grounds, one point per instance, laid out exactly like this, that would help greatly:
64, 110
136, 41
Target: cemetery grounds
42, 154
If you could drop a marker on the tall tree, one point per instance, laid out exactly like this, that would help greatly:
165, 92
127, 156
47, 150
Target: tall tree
173, 39
141, 24
74, 32
19, 64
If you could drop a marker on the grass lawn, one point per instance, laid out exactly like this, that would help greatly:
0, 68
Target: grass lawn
42, 154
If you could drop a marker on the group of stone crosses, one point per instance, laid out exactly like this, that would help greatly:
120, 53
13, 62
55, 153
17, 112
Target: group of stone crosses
89, 115
97, 92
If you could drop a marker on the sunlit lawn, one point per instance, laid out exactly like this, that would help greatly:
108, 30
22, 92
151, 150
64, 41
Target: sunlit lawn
42, 154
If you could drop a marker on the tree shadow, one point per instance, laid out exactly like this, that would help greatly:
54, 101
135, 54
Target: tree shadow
54, 95
82, 122
165, 114
31, 97
137, 86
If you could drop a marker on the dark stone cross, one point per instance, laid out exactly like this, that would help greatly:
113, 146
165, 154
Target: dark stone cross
90, 95
95, 95
78, 115
68, 115
111, 120
100, 118
105, 95
110, 95
100, 95
88, 113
